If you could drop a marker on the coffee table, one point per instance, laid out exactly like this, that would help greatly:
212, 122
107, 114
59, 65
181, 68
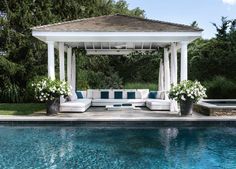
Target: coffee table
120, 107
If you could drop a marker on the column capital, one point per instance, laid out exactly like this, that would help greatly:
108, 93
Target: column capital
50, 42
166, 50
184, 43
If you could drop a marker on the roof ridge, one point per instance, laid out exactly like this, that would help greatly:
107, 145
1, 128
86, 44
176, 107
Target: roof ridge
164, 22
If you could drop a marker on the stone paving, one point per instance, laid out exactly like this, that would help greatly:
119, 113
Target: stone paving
101, 114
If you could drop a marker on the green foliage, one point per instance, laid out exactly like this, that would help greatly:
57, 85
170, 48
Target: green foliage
221, 88
214, 57
137, 85
26, 57
139, 67
11, 93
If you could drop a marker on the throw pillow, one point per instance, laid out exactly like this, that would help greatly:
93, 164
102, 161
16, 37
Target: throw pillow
118, 95
79, 95
152, 95
104, 95
130, 95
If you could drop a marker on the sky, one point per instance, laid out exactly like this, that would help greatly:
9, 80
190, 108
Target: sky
205, 12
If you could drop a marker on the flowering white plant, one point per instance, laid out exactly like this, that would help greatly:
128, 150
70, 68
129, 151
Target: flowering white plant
46, 89
187, 89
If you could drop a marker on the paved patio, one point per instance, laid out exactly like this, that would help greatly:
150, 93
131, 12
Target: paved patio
101, 114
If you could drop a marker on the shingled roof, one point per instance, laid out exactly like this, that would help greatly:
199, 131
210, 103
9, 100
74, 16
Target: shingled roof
115, 23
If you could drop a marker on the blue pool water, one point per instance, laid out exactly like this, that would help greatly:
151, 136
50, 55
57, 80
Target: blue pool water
119, 148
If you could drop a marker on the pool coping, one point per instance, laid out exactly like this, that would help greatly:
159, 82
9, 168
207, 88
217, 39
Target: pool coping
121, 122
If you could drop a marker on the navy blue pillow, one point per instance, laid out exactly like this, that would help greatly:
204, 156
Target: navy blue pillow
130, 95
79, 95
118, 95
152, 95
104, 95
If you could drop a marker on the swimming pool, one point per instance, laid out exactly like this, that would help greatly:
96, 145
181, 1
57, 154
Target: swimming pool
118, 148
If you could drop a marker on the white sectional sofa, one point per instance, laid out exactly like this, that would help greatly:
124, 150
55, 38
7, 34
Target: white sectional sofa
104, 97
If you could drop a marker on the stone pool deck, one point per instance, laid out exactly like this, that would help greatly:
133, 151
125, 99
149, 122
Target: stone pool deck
99, 115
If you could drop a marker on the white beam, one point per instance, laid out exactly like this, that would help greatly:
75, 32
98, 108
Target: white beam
69, 57
184, 61
114, 51
51, 60
62, 60
117, 36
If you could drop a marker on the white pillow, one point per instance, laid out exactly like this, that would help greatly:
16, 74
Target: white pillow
89, 93
96, 94
142, 93
161, 95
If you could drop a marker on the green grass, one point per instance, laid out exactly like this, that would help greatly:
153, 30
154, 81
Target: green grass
150, 86
20, 108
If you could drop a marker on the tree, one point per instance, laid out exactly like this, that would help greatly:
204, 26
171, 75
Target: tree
26, 57
194, 24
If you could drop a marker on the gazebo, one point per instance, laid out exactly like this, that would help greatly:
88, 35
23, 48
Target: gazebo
118, 35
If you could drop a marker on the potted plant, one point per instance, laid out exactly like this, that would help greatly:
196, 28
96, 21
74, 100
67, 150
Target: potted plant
49, 91
186, 93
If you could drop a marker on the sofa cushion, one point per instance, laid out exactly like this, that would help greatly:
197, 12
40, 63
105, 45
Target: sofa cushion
142, 93
89, 94
104, 94
157, 102
118, 101
118, 95
79, 95
96, 94
152, 95
130, 95
160, 95
76, 103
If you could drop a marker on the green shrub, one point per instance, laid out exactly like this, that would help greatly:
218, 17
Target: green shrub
82, 80
137, 85
221, 88
99, 80
11, 93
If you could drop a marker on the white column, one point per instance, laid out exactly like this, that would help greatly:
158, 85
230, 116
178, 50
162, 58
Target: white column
61, 61
184, 61
73, 72
51, 60
174, 71
69, 56
166, 72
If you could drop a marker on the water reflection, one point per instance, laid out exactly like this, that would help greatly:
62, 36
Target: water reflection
166, 136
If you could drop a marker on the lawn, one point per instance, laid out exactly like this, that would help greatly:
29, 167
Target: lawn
20, 108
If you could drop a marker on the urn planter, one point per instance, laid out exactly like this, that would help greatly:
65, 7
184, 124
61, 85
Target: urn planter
186, 107
53, 107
